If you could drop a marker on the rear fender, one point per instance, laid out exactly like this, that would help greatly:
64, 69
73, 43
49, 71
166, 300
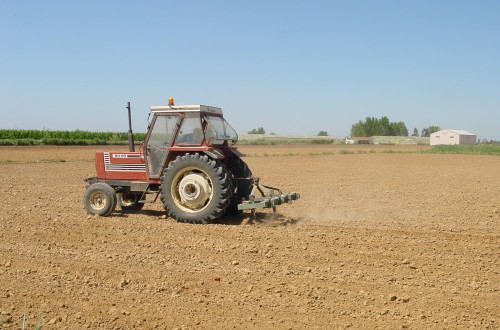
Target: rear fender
212, 153
237, 153
215, 154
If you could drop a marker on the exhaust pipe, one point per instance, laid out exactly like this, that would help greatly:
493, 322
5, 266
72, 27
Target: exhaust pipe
131, 146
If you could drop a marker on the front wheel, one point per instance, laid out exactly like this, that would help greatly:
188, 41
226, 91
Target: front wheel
195, 189
100, 199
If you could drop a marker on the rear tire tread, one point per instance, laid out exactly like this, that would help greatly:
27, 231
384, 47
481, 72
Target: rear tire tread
220, 185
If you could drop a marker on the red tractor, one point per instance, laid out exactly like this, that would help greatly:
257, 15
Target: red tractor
189, 160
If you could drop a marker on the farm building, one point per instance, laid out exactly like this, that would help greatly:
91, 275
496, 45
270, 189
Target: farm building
452, 136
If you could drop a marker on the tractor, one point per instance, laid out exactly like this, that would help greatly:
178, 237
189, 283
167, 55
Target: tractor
188, 158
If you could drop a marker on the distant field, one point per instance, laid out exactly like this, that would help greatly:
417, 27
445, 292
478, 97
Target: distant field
71, 138
466, 150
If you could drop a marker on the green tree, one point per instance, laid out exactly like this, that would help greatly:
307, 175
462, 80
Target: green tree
378, 127
323, 133
399, 129
385, 127
358, 129
415, 132
426, 132
259, 130
372, 126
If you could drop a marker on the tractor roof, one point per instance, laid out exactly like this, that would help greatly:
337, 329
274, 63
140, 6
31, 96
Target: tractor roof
186, 108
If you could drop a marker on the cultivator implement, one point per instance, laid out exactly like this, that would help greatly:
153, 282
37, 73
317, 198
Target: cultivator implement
266, 197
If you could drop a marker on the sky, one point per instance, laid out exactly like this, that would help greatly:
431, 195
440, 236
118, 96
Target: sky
291, 67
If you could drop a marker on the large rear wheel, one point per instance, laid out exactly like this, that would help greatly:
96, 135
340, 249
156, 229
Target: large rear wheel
195, 189
100, 199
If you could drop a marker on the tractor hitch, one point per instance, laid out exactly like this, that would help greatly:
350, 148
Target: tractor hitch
269, 197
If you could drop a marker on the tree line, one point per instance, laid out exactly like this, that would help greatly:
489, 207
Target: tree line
372, 126
49, 137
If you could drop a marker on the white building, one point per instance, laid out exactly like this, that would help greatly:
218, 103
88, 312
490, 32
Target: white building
452, 136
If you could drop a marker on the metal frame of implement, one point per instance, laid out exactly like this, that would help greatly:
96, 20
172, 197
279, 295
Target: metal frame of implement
271, 199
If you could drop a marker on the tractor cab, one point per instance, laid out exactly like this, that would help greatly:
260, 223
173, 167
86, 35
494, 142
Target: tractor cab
183, 128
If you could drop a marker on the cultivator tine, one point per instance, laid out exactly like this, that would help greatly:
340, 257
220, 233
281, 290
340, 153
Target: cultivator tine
269, 197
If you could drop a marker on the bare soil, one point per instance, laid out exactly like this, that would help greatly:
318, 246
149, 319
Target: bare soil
381, 238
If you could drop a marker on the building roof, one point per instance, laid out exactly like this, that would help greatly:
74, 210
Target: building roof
457, 131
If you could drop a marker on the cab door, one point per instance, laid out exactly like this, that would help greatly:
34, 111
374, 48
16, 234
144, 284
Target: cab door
160, 137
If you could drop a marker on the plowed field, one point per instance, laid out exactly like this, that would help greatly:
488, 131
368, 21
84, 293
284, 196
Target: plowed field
380, 239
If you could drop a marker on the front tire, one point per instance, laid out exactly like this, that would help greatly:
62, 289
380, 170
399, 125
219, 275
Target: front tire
100, 199
195, 189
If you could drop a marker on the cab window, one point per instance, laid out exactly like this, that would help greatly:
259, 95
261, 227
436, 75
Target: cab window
191, 132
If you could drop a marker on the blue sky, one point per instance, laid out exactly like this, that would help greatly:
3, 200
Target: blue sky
292, 67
